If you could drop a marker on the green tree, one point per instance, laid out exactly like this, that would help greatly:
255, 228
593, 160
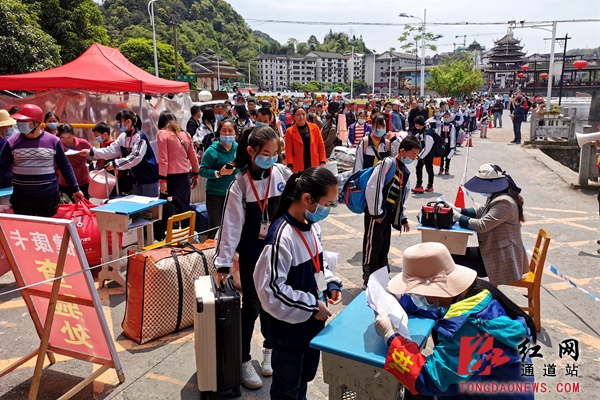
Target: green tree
411, 40
74, 24
455, 76
360, 86
313, 42
141, 53
24, 46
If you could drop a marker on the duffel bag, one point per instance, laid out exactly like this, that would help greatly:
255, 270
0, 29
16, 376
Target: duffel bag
160, 289
437, 214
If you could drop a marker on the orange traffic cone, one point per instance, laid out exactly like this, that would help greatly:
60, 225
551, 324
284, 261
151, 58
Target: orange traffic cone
470, 141
490, 124
460, 198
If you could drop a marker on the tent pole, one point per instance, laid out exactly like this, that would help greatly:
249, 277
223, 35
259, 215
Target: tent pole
141, 107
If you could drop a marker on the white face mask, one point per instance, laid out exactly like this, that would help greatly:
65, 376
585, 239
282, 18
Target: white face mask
24, 127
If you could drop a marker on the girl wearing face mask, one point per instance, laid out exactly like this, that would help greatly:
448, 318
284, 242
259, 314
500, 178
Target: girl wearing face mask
329, 133
205, 134
137, 160
375, 147
175, 155
250, 202
386, 205
435, 122
242, 119
304, 147
448, 132
6, 131
294, 284
216, 167
358, 130
51, 120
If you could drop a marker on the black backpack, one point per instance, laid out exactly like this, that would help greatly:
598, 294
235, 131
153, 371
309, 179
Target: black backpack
439, 144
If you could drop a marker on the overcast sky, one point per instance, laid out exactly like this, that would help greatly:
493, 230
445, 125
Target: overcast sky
585, 35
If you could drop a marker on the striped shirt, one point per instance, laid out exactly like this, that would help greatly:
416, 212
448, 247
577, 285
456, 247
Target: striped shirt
359, 133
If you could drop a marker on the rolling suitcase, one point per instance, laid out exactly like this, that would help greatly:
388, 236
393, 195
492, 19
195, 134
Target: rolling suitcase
217, 335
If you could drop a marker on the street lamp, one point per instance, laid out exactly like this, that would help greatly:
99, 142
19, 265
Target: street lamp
423, 21
151, 13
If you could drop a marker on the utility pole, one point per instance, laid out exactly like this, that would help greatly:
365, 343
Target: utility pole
218, 74
374, 64
352, 75
248, 74
175, 41
151, 13
423, 54
551, 65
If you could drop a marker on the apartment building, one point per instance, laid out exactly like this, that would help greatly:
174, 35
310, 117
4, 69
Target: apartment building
278, 72
379, 68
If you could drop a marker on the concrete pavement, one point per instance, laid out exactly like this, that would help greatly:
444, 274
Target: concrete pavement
165, 369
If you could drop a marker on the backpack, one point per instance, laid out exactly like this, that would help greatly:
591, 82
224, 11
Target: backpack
353, 191
439, 145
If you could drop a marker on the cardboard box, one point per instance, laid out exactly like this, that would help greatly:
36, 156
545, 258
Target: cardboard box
456, 242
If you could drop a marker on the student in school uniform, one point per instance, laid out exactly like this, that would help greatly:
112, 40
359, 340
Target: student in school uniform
374, 147
250, 203
448, 133
386, 206
294, 283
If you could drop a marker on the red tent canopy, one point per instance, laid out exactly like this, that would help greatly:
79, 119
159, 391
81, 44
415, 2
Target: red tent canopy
99, 69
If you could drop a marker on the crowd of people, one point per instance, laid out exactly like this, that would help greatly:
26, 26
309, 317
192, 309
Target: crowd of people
267, 190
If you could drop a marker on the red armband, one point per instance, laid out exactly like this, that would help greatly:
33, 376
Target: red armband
405, 361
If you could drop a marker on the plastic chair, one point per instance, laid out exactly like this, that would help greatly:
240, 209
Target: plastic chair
177, 235
533, 281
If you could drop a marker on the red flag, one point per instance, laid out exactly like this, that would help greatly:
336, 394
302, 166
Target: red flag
460, 198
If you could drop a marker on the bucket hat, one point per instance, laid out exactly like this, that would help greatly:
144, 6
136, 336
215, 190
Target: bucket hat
6, 119
488, 179
428, 270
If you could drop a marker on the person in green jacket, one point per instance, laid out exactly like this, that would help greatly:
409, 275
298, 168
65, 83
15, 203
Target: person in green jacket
219, 173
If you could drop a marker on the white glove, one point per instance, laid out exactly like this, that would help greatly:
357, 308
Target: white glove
384, 327
458, 210
456, 214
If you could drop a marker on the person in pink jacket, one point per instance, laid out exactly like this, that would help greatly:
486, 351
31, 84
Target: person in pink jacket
175, 157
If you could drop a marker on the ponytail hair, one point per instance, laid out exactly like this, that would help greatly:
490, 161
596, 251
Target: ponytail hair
255, 137
315, 181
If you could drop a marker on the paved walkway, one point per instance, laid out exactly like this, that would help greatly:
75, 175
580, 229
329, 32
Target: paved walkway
165, 369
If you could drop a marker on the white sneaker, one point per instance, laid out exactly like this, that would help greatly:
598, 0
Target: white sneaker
265, 366
250, 378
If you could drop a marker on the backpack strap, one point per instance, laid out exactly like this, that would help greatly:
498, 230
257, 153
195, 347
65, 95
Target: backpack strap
242, 184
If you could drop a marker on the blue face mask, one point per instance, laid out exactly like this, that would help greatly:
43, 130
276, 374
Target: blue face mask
310, 114
52, 125
379, 132
265, 162
437, 114
321, 212
407, 161
485, 194
99, 139
261, 124
122, 128
447, 120
422, 303
219, 117
228, 108
227, 139
420, 105
9, 132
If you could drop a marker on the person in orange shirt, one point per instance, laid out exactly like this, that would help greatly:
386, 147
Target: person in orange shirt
304, 147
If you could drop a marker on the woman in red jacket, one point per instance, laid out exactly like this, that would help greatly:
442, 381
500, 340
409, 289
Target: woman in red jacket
66, 134
304, 147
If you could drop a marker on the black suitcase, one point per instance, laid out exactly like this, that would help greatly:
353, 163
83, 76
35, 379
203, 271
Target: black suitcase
217, 334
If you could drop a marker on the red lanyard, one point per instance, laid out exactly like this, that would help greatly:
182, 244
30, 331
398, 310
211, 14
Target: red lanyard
262, 205
315, 259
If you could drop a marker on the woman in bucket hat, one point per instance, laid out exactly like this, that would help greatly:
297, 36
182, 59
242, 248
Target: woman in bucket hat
500, 255
476, 336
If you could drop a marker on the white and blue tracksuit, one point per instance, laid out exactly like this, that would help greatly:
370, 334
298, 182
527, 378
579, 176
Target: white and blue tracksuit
285, 282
